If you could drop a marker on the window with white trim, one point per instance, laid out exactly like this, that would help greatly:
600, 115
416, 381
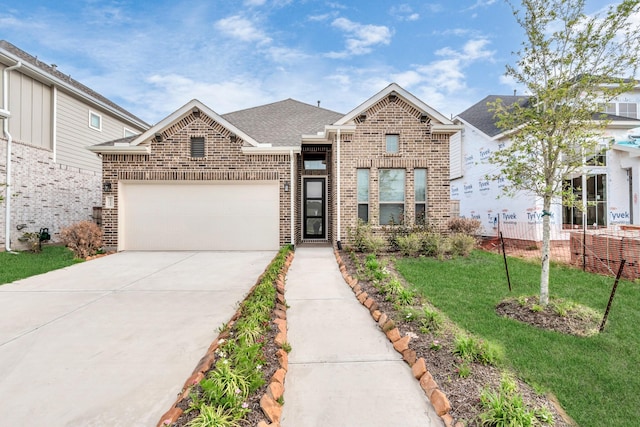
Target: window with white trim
420, 190
363, 194
391, 196
628, 109
95, 121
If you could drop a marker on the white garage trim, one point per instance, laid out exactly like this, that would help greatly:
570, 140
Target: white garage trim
198, 215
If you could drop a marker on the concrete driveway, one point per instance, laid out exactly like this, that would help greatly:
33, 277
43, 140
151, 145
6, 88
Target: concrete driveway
111, 341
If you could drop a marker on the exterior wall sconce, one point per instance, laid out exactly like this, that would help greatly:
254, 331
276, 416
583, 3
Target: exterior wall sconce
286, 186
393, 97
362, 117
423, 118
106, 186
196, 111
233, 138
158, 137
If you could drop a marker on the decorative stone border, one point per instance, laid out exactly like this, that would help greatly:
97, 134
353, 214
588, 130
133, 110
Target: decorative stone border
269, 401
401, 344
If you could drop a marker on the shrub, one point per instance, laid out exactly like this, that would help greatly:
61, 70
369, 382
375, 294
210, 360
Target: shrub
363, 240
464, 225
83, 238
410, 245
435, 244
462, 244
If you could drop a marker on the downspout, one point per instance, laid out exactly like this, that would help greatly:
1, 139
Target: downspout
292, 193
5, 105
338, 242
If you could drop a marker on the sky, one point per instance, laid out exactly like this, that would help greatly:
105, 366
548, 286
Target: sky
152, 57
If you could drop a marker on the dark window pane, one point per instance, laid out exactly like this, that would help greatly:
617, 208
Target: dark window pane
391, 213
363, 212
421, 213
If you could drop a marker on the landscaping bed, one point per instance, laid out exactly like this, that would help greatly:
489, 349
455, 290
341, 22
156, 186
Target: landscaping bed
466, 377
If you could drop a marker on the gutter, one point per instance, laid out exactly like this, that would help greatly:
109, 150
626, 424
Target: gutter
4, 113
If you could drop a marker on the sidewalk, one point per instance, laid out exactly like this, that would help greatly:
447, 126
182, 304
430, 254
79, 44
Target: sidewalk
343, 371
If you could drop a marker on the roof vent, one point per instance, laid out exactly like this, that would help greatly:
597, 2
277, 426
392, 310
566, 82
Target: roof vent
424, 118
362, 117
393, 97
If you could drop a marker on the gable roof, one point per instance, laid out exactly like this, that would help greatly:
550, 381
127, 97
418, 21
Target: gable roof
441, 123
49, 74
282, 123
141, 143
480, 117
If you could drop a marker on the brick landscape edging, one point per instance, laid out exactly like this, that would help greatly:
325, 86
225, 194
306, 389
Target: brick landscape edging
269, 401
401, 344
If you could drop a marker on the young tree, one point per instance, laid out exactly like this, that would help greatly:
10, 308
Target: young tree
569, 63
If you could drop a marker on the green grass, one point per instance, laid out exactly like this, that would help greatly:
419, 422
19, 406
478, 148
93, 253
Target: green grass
596, 379
15, 266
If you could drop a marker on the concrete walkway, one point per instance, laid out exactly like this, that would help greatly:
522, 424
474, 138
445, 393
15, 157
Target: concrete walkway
343, 371
111, 341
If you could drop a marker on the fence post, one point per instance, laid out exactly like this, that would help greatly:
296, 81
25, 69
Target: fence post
613, 293
506, 266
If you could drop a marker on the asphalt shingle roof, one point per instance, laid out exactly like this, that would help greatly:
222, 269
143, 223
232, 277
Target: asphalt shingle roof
479, 116
282, 123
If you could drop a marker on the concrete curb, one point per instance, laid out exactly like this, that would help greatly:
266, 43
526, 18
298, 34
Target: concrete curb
269, 401
401, 344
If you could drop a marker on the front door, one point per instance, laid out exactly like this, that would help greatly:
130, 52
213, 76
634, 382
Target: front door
314, 201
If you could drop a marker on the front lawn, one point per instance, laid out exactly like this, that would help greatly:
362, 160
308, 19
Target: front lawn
595, 378
16, 266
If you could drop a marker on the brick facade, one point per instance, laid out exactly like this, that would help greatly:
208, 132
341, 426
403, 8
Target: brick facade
418, 148
170, 160
44, 193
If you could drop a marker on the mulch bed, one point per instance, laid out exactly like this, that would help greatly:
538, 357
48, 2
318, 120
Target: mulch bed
463, 393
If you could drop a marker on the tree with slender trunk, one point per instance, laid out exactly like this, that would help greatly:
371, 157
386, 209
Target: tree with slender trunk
571, 64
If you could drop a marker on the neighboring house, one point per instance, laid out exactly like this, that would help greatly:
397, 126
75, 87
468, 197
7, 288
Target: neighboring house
286, 172
612, 176
55, 180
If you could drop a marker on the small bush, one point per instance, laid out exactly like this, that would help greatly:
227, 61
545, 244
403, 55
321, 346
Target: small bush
435, 244
363, 240
410, 245
465, 226
462, 244
83, 238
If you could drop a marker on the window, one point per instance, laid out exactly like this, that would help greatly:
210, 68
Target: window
420, 188
596, 192
628, 109
197, 147
363, 194
315, 161
391, 196
392, 143
129, 132
609, 108
95, 121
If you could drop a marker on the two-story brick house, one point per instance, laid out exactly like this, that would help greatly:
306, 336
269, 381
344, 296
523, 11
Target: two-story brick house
55, 181
286, 172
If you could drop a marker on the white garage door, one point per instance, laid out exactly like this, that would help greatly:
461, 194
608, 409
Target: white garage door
199, 216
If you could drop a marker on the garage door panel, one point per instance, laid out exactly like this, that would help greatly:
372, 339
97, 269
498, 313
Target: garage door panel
195, 216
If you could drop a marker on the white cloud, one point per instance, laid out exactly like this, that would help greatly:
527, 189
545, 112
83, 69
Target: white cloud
360, 38
481, 3
242, 29
404, 12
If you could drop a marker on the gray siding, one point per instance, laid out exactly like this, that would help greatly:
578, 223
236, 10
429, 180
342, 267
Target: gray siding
30, 104
75, 134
